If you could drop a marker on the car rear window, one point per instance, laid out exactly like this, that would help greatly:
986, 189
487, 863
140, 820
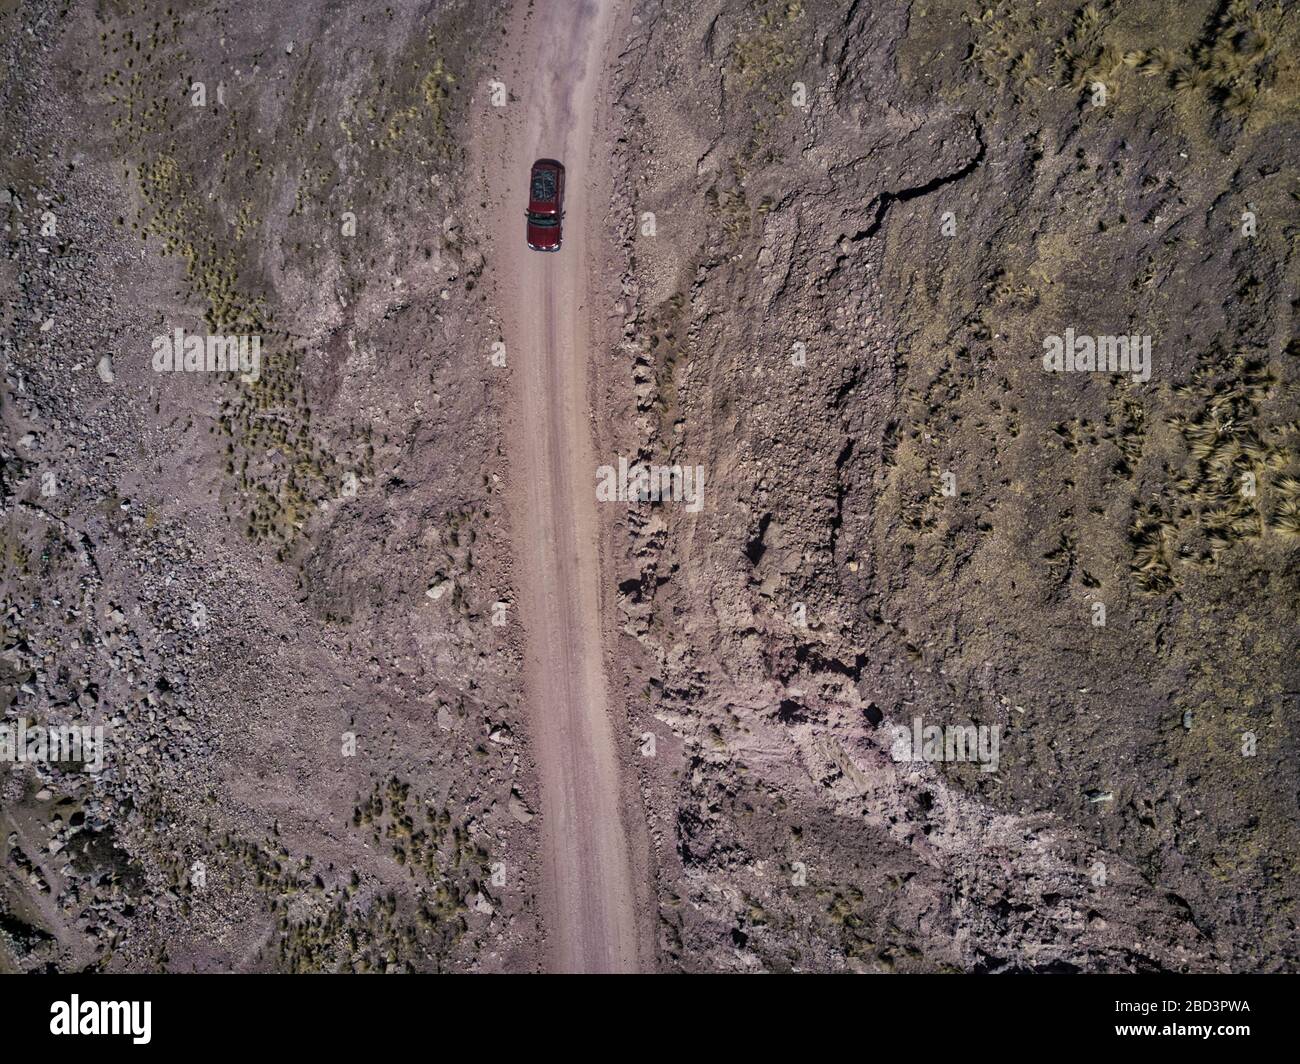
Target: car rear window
543, 185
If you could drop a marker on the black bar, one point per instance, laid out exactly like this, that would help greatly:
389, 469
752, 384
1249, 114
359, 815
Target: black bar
215, 1012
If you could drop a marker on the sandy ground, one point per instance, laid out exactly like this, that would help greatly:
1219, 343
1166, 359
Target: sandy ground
589, 869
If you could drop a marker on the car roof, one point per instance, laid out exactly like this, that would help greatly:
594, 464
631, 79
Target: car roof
544, 186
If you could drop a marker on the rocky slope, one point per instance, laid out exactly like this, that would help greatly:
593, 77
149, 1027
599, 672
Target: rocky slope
275, 591
864, 223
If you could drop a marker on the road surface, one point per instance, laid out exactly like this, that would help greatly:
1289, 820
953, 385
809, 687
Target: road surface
553, 59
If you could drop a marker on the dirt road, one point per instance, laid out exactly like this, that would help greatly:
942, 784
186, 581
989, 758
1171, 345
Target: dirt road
555, 58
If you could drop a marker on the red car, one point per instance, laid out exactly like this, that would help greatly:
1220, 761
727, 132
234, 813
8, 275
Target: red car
545, 205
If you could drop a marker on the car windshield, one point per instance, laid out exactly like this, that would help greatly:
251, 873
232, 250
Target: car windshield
543, 185
544, 220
